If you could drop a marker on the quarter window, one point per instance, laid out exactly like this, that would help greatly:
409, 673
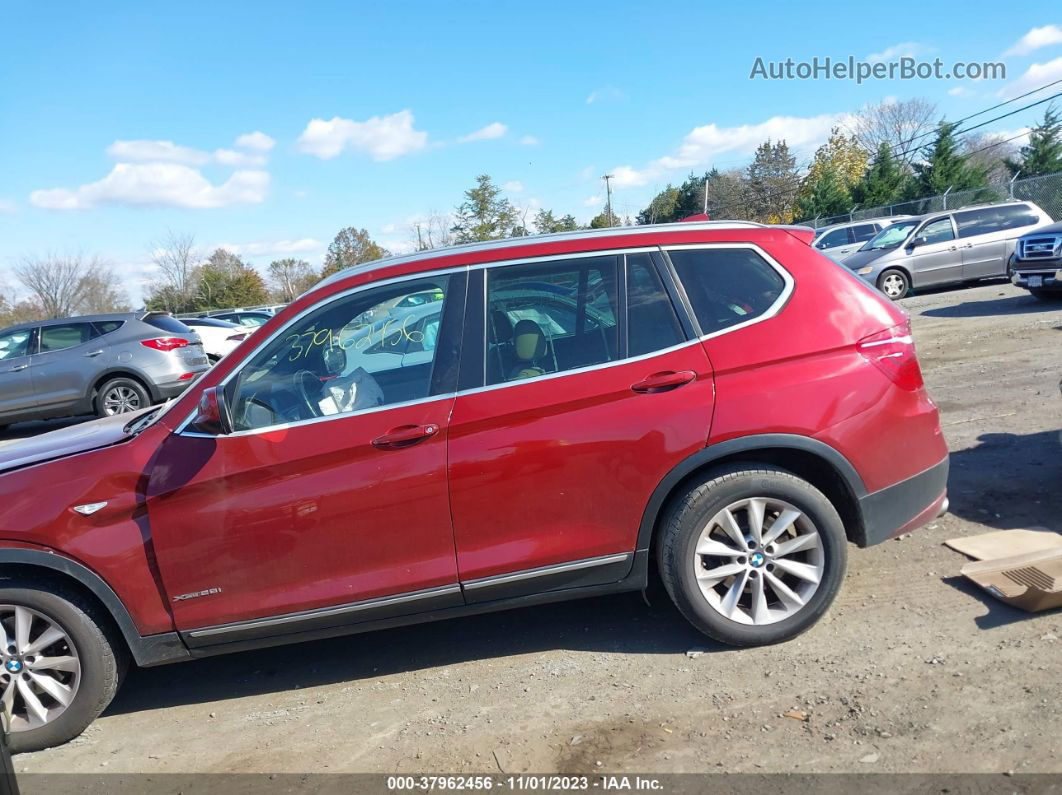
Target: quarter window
726, 286
366, 350
57, 338
652, 324
550, 317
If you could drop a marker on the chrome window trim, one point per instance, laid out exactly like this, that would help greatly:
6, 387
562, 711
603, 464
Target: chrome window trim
546, 571
324, 612
772, 310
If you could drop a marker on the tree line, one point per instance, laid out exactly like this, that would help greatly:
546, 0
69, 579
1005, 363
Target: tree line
872, 162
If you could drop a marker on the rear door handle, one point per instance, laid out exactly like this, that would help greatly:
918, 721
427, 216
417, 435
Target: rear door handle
94, 353
662, 382
404, 436
18, 367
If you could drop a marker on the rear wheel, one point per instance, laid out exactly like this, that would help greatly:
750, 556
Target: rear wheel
120, 396
752, 555
894, 283
58, 670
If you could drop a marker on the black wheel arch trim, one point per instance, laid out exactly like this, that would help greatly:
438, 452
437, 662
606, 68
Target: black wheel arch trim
744, 444
146, 649
124, 372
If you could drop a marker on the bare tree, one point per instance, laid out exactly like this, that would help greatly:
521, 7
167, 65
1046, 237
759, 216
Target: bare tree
290, 278
990, 153
176, 257
432, 232
895, 123
70, 284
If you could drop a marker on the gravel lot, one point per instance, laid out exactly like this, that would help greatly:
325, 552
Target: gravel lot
912, 670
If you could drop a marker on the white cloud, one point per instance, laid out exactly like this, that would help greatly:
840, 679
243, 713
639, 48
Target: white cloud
142, 151
275, 248
1035, 76
160, 185
905, 49
382, 137
1035, 39
704, 144
607, 92
961, 91
491, 132
529, 140
513, 186
593, 201
7, 206
230, 157
257, 140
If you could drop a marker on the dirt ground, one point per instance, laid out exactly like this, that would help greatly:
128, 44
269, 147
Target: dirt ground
912, 669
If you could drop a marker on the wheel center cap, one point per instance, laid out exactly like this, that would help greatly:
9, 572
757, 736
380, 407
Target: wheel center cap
13, 666
757, 559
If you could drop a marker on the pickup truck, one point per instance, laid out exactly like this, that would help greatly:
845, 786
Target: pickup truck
1036, 263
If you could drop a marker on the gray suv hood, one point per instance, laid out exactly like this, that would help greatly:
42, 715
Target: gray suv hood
80, 438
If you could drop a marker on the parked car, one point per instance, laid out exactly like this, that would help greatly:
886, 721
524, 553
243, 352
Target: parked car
839, 240
1036, 263
252, 318
945, 248
220, 337
715, 401
102, 364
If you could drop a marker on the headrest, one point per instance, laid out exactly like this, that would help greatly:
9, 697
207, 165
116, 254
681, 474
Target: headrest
529, 341
501, 328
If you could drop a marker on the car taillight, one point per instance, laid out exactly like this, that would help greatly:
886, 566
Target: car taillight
893, 352
237, 337
165, 343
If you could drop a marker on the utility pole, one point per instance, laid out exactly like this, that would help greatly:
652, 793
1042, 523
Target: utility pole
608, 197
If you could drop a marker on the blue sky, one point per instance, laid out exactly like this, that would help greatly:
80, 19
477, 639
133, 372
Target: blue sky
267, 126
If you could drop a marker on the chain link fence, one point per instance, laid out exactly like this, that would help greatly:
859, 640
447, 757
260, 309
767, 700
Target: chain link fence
1046, 191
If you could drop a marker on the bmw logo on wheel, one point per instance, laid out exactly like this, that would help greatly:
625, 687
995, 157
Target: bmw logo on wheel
757, 559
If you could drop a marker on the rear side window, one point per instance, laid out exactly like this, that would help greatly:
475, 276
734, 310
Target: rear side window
107, 326
864, 232
550, 317
167, 323
652, 324
726, 286
994, 219
57, 338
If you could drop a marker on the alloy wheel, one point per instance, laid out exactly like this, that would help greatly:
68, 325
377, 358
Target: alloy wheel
758, 561
120, 400
892, 285
40, 669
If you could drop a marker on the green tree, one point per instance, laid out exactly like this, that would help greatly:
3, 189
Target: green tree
945, 167
484, 214
728, 194
546, 223
663, 208
1043, 154
604, 219
824, 196
351, 246
837, 166
773, 182
290, 278
884, 182
225, 280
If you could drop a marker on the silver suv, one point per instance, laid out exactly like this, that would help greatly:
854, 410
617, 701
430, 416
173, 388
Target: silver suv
102, 364
840, 240
945, 248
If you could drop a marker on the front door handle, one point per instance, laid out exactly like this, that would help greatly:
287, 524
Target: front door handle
404, 436
662, 382
94, 353
18, 367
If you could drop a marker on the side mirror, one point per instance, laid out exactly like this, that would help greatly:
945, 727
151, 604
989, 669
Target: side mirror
918, 241
213, 413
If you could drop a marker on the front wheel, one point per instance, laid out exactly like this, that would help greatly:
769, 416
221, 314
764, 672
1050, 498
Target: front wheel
752, 555
58, 670
894, 283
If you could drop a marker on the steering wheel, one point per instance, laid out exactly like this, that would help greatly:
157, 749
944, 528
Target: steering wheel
308, 387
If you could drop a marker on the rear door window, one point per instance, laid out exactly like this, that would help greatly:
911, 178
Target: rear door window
67, 335
838, 237
727, 286
864, 232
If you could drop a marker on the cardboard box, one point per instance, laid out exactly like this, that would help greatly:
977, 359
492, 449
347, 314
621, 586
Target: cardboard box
1031, 581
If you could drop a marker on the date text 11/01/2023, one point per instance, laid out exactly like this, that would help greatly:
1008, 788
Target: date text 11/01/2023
524, 783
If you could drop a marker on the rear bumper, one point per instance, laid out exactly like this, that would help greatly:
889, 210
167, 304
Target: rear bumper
906, 505
171, 389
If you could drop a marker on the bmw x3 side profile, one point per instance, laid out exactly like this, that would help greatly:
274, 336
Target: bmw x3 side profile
714, 403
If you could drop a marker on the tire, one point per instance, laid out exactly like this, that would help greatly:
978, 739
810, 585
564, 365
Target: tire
1046, 295
120, 396
894, 283
100, 663
691, 524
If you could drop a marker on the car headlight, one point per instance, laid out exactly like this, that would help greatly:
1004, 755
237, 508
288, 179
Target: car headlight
865, 271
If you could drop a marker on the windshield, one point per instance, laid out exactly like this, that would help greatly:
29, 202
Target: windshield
890, 236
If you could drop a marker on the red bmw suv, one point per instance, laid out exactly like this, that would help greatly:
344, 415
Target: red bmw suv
474, 428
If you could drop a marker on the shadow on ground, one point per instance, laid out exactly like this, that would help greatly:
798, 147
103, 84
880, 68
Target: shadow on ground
999, 614
1009, 480
615, 624
1009, 305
